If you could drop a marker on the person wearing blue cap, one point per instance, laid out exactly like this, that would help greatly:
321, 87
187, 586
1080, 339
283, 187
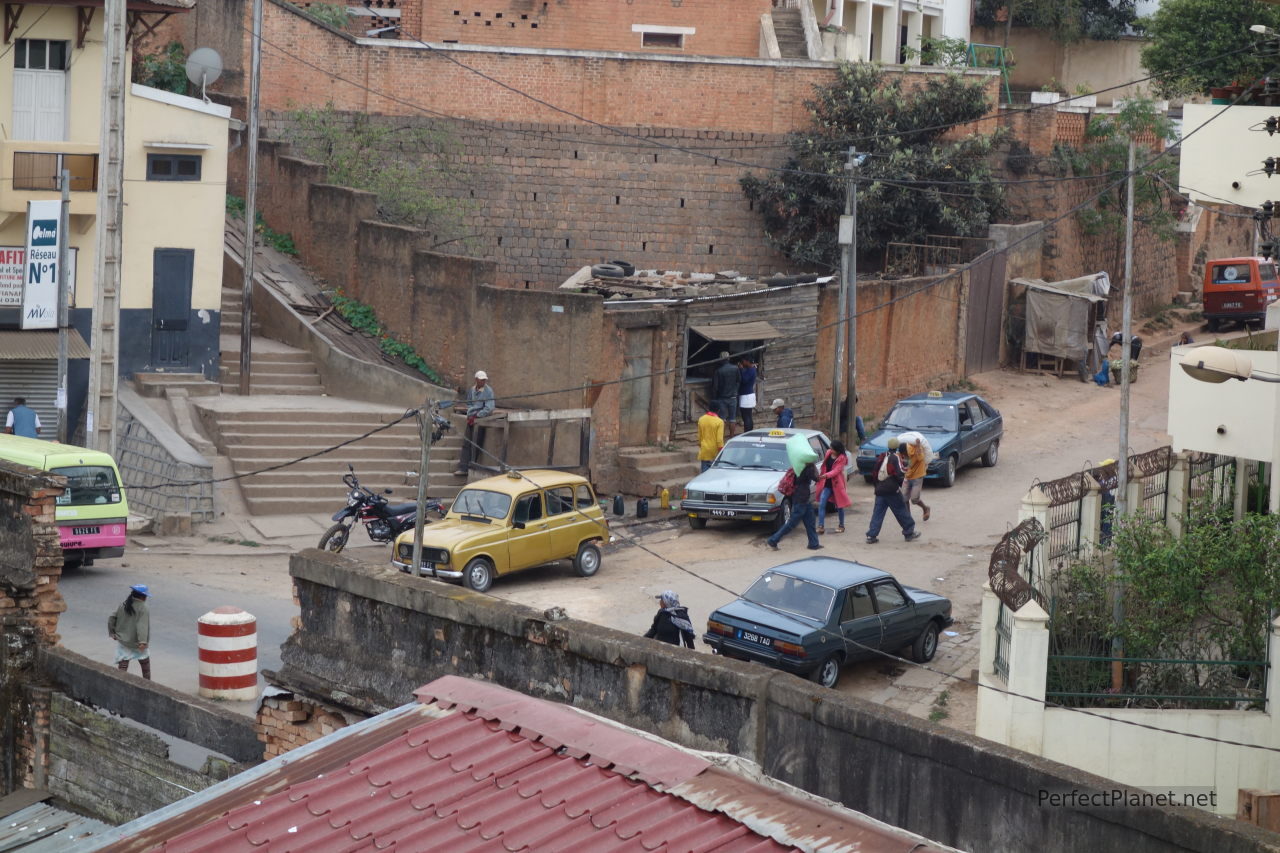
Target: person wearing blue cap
671, 623
130, 627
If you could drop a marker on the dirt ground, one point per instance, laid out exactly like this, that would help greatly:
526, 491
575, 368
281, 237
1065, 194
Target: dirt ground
1052, 428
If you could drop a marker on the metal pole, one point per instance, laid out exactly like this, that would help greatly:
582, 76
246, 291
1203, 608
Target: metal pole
424, 471
250, 202
64, 310
1122, 459
842, 301
851, 407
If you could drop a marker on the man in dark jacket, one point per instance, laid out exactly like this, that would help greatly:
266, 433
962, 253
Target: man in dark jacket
671, 623
802, 509
724, 391
889, 472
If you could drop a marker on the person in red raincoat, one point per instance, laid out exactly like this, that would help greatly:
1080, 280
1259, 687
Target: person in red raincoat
831, 481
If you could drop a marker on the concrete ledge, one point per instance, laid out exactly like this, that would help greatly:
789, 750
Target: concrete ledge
177, 714
173, 443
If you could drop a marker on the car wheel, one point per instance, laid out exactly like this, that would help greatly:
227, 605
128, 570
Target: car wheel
335, 538
828, 672
949, 472
783, 516
697, 523
478, 574
992, 456
587, 563
926, 645
1213, 325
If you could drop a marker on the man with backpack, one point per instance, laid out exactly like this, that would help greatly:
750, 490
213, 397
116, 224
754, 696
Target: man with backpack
800, 488
891, 469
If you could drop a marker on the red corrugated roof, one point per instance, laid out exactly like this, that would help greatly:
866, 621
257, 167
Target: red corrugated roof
463, 783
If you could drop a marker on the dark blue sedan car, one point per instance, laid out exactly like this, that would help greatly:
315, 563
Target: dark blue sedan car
811, 616
960, 426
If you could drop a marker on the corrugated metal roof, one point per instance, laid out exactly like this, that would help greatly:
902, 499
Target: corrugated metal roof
35, 345
759, 330
42, 828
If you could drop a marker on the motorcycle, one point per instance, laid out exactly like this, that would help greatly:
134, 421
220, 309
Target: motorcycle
383, 521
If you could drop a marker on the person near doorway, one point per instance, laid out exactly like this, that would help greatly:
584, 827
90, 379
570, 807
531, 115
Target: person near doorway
747, 374
130, 627
710, 437
724, 391
786, 418
22, 420
802, 509
890, 471
671, 623
831, 478
480, 404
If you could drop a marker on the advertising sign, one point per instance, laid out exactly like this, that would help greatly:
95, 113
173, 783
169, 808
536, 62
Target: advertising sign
13, 270
40, 268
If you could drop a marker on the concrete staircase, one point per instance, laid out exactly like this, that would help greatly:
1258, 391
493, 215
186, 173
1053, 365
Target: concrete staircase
261, 437
645, 471
232, 313
159, 384
277, 370
790, 32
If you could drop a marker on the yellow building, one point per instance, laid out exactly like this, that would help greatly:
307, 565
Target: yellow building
175, 167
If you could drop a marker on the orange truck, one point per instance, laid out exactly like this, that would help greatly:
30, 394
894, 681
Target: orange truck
1239, 290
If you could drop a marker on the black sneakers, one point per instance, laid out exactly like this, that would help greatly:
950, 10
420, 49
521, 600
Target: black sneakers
912, 536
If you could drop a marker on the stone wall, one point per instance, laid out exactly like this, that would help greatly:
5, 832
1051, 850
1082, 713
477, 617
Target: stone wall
152, 455
955, 788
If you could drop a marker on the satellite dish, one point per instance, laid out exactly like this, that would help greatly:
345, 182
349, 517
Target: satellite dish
204, 66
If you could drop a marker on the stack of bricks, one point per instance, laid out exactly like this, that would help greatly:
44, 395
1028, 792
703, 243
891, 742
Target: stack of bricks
286, 722
30, 550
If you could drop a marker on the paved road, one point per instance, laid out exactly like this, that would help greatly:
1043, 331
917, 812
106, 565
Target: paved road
1052, 428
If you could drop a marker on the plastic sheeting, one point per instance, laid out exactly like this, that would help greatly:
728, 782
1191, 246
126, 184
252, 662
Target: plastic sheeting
1059, 316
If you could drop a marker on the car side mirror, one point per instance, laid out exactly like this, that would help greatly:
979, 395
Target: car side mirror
518, 525
966, 427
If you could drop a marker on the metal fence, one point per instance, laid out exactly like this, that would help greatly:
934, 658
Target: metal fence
1066, 509
1211, 476
1208, 684
1153, 467
1016, 549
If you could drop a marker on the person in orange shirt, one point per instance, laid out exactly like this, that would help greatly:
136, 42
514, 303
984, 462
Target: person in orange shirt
917, 466
710, 438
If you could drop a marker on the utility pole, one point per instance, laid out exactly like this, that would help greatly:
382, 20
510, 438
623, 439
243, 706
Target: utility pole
104, 371
425, 426
250, 202
851, 403
64, 310
1122, 458
842, 298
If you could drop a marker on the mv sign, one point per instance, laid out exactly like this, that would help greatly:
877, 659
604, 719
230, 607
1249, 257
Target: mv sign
40, 275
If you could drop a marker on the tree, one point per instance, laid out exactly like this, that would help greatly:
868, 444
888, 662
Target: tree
165, 69
408, 166
1106, 152
1185, 33
911, 137
1065, 21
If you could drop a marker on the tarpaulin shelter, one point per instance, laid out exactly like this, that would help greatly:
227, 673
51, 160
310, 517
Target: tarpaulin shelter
1065, 319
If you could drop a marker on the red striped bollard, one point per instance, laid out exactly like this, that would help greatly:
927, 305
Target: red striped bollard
228, 645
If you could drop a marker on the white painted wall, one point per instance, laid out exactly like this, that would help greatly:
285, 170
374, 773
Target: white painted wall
1230, 145
1245, 411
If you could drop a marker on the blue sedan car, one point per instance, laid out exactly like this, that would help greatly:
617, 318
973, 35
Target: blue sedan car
960, 426
811, 616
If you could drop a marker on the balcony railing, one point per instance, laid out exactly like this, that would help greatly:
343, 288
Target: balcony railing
40, 170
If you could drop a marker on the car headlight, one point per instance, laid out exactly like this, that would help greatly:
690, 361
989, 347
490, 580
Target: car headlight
758, 499
866, 454
691, 495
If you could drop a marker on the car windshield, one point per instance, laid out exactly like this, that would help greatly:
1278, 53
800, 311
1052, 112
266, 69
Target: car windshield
481, 502
922, 416
792, 595
755, 454
87, 485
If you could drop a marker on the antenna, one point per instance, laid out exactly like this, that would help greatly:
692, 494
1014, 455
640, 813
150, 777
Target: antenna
204, 66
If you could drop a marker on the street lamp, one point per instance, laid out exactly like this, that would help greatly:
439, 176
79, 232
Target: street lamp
1217, 365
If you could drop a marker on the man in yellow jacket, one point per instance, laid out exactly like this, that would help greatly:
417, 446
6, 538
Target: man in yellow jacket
710, 438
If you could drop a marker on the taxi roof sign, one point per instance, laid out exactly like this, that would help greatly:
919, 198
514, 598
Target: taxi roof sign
935, 393
776, 432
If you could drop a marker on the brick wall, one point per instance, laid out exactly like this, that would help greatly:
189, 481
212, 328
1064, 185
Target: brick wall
286, 722
720, 29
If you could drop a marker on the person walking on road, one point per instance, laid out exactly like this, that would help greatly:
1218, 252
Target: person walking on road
918, 455
671, 623
802, 509
890, 473
831, 480
724, 391
786, 418
480, 404
22, 420
747, 373
130, 627
710, 438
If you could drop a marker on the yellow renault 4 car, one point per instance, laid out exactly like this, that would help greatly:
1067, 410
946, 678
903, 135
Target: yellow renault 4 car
508, 523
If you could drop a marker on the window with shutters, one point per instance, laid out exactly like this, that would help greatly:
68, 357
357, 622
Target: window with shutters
40, 89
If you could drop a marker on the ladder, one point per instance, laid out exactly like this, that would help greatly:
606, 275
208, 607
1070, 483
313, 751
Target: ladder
104, 371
